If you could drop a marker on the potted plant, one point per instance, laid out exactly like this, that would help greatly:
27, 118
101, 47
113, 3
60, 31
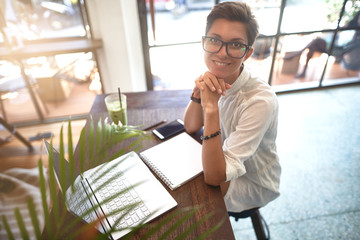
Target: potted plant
99, 137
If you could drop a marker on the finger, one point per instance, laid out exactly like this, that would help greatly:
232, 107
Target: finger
198, 84
222, 85
196, 92
212, 82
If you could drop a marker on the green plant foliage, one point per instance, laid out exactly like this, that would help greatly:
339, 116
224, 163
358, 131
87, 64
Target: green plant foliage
335, 6
94, 142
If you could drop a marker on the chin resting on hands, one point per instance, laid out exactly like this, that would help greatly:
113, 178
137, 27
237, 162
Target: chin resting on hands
213, 83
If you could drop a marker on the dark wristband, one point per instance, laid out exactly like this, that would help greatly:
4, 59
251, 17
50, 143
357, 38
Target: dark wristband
197, 100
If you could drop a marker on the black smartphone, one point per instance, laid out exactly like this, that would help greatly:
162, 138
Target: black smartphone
170, 129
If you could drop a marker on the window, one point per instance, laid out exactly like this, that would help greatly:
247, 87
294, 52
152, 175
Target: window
60, 76
40, 19
280, 53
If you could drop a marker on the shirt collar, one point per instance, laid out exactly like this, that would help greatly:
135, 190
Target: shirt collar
240, 81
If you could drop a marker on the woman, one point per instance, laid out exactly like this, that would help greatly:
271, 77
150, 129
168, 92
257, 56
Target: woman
238, 113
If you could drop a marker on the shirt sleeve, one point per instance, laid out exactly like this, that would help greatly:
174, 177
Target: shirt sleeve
254, 118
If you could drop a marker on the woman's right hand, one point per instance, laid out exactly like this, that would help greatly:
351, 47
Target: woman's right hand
212, 82
211, 88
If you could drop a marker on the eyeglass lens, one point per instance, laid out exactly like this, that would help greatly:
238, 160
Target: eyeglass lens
233, 49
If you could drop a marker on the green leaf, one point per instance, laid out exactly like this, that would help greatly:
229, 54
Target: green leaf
211, 230
165, 221
34, 218
62, 160
53, 183
98, 138
91, 143
82, 149
178, 223
93, 147
44, 202
24, 233
7, 228
71, 154
194, 226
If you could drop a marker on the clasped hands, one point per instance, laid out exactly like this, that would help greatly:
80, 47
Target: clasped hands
209, 88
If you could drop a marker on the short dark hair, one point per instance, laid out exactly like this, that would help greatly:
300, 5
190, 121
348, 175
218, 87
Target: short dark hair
235, 11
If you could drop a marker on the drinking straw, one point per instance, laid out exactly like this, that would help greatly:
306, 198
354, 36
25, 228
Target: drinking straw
120, 97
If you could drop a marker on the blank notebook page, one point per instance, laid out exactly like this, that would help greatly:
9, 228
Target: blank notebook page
175, 161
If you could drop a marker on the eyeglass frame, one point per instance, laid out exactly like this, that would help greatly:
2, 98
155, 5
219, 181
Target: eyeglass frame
226, 46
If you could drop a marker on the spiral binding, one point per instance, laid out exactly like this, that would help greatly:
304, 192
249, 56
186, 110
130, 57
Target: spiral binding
157, 171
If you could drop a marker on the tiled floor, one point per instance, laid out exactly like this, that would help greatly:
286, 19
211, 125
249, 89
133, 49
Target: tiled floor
319, 147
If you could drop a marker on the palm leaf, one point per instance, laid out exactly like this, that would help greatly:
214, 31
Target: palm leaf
45, 206
71, 154
52, 186
93, 147
82, 150
7, 228
34, 219
153, 230
20, 221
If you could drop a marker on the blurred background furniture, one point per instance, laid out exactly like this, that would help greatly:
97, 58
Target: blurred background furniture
15, 133
351, 59
262, 47
290, 66
10, 84
38, 49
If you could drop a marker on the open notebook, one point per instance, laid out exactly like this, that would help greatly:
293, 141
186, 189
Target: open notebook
176, 160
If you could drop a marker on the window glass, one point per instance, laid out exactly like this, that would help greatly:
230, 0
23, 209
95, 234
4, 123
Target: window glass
40, 19
177, 21
351, 12
266, 13
344, 61
169, 74
309, 15
294, 64
261, 58
301, 60
48, 86
184, 22
63, 85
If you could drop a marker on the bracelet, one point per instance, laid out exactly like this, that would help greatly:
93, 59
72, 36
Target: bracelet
197, 100
203, 138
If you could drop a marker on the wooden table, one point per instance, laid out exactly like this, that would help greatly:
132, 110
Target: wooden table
43, 48
148, 108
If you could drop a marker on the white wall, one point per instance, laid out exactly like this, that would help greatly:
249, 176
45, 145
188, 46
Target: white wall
121, 60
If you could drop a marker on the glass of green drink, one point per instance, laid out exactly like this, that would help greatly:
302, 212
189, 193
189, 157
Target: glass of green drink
117, 108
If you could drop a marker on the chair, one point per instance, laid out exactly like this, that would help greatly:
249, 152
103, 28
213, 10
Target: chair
351, 59
12, 83
257, 221
9, 84
262, 48
13, 131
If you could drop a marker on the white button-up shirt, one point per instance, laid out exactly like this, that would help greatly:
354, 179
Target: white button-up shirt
248, 122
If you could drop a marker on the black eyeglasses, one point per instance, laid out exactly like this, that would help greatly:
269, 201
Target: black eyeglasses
233, 49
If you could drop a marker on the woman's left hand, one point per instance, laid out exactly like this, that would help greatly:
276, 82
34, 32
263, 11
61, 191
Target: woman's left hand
211, 88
